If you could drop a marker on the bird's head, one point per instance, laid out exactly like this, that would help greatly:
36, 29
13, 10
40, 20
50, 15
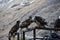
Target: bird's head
18, 21
30, 17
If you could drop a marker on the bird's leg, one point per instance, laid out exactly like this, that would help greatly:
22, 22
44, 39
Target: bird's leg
13, 37
9, 37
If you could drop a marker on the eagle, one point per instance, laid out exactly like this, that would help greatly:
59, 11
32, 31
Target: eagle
40, 21
14, 28
26, 23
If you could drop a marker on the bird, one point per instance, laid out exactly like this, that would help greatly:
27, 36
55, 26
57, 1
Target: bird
14, 28
40, 21
26, 23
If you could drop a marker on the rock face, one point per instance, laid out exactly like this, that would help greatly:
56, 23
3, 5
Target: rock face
48, 9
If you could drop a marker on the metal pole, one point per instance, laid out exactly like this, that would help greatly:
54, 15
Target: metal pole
23, 35
34, 34
17, 36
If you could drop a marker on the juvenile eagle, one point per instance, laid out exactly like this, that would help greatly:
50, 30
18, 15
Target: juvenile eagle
14, 28
40, 21
26, 23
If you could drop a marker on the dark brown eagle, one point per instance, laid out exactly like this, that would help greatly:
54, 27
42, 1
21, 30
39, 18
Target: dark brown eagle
14, 28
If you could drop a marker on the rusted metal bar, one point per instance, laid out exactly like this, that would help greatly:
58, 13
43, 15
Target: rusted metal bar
23, 35
34, 34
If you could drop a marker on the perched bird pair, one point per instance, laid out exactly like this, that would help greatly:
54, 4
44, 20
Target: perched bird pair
24, 24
